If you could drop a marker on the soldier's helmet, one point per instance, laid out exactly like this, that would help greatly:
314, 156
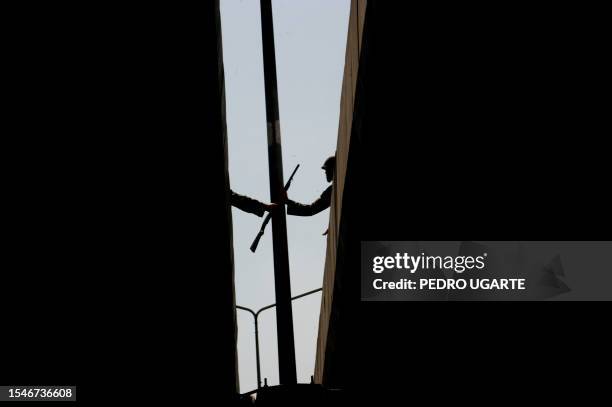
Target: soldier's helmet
330, 163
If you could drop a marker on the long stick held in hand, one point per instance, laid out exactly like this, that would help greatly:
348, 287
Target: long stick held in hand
269, 216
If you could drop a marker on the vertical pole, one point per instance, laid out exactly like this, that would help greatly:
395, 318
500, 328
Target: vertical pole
284, 314
257, 351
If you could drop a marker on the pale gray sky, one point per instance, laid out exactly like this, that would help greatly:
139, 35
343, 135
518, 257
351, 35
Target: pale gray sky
310, 37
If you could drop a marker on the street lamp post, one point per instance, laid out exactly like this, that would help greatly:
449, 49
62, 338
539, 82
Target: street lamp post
256, 319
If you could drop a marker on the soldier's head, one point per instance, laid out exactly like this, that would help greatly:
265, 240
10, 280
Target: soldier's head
329, 166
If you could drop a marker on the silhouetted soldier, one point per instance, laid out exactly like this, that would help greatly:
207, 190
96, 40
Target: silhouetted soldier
323, 202
250, 205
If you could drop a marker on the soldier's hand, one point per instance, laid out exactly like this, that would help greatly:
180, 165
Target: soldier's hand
283, 196
272, 207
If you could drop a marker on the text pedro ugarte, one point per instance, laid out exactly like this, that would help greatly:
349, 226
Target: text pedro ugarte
422, 264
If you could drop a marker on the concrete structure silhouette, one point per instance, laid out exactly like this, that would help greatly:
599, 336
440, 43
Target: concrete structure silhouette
330, 326
224, 340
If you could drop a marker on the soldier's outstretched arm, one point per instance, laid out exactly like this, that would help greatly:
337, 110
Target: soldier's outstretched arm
247, 204
322, 203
